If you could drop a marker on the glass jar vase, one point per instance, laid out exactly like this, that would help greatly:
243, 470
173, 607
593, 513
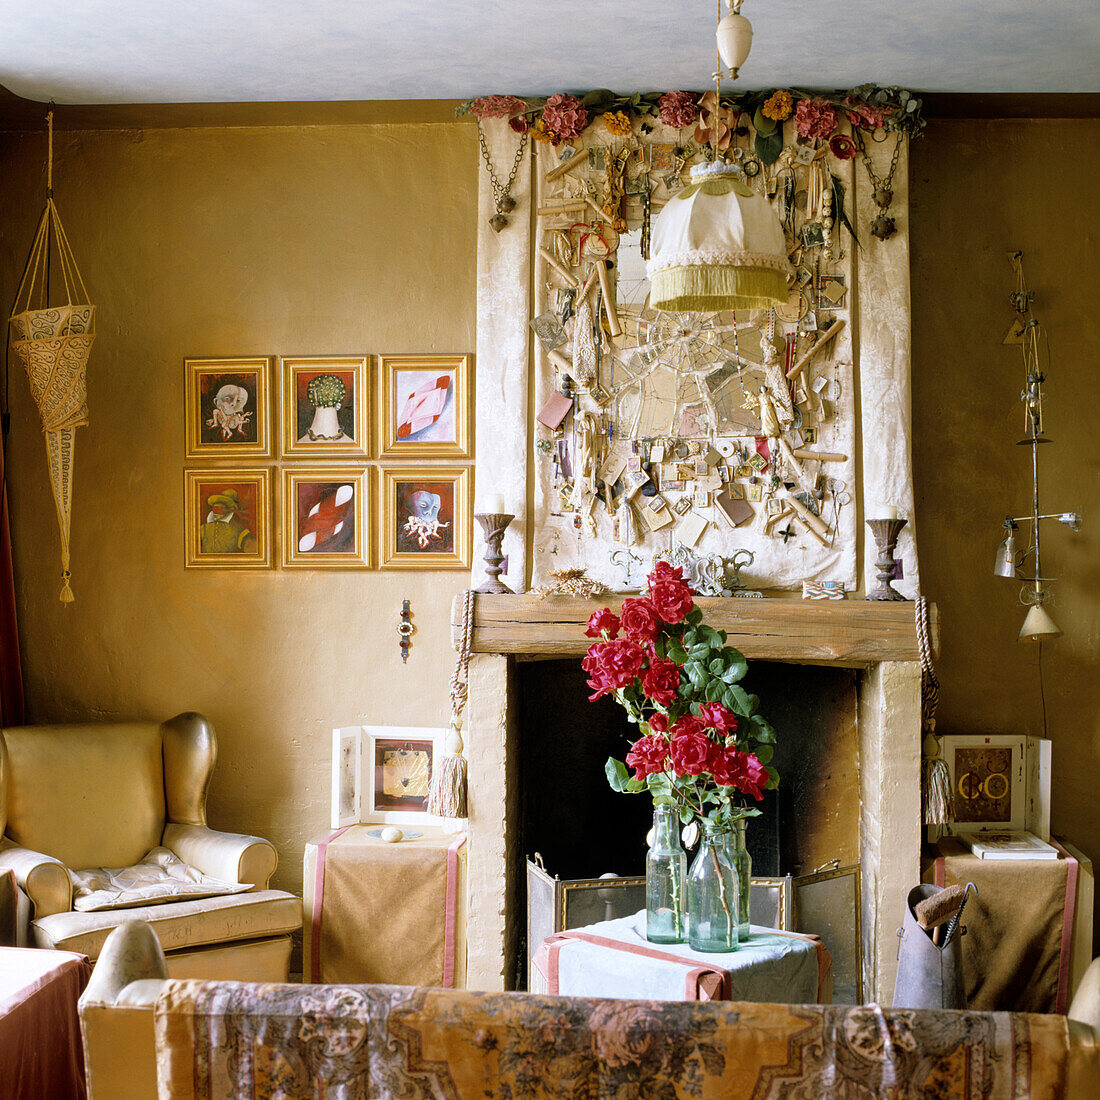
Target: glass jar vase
742, 866
665, 879
713, 907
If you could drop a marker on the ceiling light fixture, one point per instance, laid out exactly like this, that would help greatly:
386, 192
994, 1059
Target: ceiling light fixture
718, 244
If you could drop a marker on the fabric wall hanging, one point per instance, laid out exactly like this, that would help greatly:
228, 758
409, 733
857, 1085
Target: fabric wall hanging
54, 341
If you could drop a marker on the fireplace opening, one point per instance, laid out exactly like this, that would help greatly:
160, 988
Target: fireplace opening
582, 829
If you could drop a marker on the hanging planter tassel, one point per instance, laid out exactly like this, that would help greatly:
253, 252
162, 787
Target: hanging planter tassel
937, 803
447, 792
53, 342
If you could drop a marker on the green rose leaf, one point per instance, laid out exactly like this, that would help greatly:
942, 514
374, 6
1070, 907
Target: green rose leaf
660, 646
676, 652
737, 699
617, 775
762, 731
764, 753
686, 814
658, 785
634, 786
736, 668
714, 692
717, 666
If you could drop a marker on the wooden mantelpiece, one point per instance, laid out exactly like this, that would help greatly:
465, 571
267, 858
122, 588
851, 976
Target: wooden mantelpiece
847, 633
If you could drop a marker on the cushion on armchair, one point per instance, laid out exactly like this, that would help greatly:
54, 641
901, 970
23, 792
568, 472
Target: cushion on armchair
158, 877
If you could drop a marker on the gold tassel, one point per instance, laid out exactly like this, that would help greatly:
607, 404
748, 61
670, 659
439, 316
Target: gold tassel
447, 793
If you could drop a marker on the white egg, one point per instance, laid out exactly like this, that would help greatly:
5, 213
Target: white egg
391, 834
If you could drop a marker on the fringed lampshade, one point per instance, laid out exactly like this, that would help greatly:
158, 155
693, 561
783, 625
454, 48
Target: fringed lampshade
717, 245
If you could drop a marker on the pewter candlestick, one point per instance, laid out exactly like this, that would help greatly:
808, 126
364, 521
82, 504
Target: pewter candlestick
493, 525
886, 533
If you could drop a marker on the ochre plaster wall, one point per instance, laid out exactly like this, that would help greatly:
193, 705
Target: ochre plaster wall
362, 239
979, 189
209, 242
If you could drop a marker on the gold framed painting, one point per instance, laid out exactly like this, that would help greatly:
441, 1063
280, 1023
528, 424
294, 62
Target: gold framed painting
325, 510
325, 407
426, 517
227, 519
426, 406
228, 408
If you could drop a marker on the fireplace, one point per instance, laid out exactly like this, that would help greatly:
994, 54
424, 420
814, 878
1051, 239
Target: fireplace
860, 691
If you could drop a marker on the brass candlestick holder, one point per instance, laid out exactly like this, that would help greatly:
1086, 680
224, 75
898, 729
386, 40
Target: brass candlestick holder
886, 533
493, 525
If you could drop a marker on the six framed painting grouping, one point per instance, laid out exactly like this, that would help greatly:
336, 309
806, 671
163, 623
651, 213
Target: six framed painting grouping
290, 461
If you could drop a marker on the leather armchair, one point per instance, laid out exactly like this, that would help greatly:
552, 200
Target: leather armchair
76, 797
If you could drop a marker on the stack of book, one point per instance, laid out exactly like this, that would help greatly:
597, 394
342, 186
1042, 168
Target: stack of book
1016, 844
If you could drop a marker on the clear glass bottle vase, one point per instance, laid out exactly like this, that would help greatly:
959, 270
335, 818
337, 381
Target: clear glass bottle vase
742, 866
665, 879
713, 909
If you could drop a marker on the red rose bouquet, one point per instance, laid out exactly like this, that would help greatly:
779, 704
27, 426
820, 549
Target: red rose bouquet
702, 745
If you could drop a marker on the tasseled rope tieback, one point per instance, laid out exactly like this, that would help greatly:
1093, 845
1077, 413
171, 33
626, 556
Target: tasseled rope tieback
447, 794
936, 786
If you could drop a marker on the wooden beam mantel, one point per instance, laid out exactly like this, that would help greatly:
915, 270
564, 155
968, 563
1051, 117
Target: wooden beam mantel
848, 633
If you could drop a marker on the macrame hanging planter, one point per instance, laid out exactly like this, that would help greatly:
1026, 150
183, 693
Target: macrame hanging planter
53, 340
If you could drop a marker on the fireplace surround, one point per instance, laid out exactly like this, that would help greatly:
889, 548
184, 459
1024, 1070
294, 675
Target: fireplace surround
878, 641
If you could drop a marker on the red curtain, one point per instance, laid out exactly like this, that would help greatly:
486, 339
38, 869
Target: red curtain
11, 674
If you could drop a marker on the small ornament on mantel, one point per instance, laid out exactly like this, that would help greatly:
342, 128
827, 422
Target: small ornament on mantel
494, 522
886, 527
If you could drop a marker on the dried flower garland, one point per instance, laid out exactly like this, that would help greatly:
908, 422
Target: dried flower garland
563, 117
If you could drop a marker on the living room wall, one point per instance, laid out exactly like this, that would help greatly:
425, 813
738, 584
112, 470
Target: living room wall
206, 242
361, 238
978, 189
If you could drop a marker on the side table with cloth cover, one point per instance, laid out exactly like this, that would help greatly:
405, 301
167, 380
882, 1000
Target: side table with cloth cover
381, 912
84, 798
1016, 953
40, 1050
614, 959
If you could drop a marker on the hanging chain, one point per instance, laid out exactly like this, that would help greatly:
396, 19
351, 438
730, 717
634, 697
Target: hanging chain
882, 226
876, 180
502, 193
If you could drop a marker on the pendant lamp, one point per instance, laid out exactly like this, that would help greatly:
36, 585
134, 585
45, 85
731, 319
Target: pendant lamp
1038, 624
717, 244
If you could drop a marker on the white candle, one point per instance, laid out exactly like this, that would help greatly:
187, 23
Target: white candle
493, 505
882, 511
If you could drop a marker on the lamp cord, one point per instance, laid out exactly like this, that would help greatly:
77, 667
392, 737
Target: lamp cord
1042, 692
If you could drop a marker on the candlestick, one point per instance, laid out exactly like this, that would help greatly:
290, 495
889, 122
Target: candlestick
886, 533
493, 525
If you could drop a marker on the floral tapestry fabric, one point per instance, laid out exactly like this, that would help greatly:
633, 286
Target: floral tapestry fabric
344, 1042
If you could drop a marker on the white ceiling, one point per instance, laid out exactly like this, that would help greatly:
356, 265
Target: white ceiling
179, 51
